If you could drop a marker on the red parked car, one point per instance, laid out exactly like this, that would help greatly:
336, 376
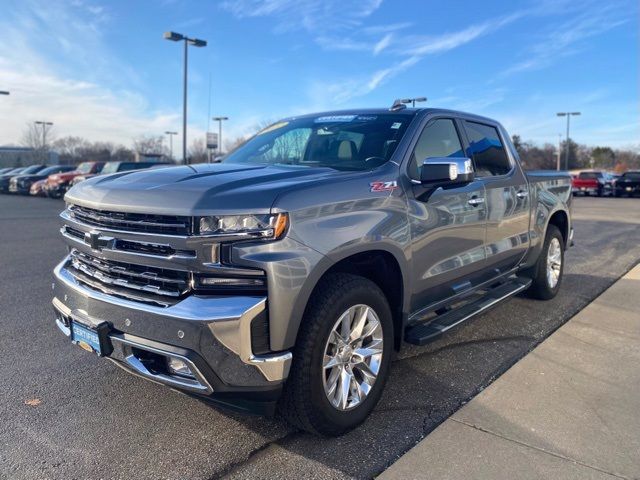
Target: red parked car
592, 183
58, 184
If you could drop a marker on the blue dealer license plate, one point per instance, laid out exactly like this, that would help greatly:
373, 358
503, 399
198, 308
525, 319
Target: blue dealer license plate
85, 337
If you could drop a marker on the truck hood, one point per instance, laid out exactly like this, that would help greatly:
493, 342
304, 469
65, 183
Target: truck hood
204, 189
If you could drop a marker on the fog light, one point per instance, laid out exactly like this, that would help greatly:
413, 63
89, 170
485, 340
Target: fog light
179, 367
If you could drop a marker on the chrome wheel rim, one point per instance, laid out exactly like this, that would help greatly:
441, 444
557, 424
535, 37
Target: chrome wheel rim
554, 262
352, 357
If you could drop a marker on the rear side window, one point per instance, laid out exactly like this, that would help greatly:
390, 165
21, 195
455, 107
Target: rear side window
487, 150
438, 139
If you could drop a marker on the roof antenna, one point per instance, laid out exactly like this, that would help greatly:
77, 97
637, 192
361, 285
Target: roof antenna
398, 104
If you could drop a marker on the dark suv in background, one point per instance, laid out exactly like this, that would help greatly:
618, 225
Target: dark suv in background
5, 179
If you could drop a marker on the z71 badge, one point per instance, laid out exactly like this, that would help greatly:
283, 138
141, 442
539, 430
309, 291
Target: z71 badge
383, 186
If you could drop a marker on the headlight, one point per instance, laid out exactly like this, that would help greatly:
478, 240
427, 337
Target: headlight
268, 227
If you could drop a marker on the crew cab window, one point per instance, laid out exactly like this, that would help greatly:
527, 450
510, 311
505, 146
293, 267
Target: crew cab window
486, 149
438, 139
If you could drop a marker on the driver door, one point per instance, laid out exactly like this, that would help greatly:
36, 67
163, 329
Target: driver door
448, 224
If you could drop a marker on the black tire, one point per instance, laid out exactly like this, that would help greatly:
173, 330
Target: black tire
540, 287
599, 192
304, 403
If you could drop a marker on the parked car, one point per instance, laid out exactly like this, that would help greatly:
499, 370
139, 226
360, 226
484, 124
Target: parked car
628, 184
290, 273
22, 183
593, 183
37, 188
58, 184
116, 167
5, 170
5, 179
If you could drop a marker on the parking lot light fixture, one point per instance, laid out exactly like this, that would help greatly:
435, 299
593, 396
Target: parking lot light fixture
4, 92
44, 131
220, 120
196, 42
568, 115
171, 134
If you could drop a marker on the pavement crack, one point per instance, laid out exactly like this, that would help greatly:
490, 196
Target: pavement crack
238, 463
539, 449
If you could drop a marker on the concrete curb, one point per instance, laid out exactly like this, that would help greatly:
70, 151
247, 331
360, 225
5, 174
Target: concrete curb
569, 409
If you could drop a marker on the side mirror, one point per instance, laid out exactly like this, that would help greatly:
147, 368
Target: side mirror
447, 170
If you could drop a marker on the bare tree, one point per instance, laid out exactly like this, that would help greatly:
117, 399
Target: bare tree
149, 144
70, 148
37, 136
198, 151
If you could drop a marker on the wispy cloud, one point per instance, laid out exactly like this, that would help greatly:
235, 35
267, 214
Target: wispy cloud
413, 49
310, 15
566, 38
53, 65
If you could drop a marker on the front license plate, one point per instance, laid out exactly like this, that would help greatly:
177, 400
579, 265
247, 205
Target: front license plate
629, 189
582, 188
86, 338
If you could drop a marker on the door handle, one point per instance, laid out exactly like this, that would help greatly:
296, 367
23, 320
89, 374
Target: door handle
475, 201
522, 194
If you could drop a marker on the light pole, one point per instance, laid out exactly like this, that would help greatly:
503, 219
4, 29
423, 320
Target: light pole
413, 100
558, 156
568, 115
176, 37
171, 134
44, 132
220, 120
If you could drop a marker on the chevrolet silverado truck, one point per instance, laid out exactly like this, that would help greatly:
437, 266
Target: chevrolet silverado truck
593, 183
285, 278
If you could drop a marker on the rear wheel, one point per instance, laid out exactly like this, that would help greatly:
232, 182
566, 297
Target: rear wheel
548, 270
342, 356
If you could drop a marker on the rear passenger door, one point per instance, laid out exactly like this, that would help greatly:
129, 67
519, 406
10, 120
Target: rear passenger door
506, 192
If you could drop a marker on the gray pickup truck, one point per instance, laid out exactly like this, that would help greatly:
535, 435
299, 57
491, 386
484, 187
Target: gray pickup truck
287, 277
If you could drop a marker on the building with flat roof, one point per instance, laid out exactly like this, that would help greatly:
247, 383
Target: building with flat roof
11, 156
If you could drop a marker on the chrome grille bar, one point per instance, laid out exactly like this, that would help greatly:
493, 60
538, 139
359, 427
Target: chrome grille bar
151, 280
134, 222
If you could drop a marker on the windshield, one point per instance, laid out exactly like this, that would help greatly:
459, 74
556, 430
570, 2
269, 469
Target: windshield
32, 169
84, 167
343, 142
50, 170
110, 167
631, 176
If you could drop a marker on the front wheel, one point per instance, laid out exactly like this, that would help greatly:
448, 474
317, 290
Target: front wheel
548, 270
342, 356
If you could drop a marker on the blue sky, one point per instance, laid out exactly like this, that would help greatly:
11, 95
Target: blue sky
102, 70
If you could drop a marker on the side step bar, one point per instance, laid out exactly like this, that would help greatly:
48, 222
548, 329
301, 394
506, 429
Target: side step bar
421, 334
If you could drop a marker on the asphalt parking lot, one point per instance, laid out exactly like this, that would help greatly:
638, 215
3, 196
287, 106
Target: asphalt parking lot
67, 414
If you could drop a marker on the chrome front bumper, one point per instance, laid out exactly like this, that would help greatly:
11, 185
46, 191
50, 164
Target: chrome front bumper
215, 328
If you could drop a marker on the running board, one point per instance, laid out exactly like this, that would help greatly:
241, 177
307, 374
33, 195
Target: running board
423, 333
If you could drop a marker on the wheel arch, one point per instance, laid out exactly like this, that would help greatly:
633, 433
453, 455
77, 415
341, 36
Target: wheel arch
380, 264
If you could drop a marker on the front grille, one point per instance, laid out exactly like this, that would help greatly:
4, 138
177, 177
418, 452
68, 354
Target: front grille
135, 282
133, 222
146, 248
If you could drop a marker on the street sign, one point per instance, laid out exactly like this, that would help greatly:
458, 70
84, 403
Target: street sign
212, 140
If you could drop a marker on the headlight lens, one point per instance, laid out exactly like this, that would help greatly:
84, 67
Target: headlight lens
253, 226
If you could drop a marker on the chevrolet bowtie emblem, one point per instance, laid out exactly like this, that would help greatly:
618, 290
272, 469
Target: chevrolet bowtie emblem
96, 241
